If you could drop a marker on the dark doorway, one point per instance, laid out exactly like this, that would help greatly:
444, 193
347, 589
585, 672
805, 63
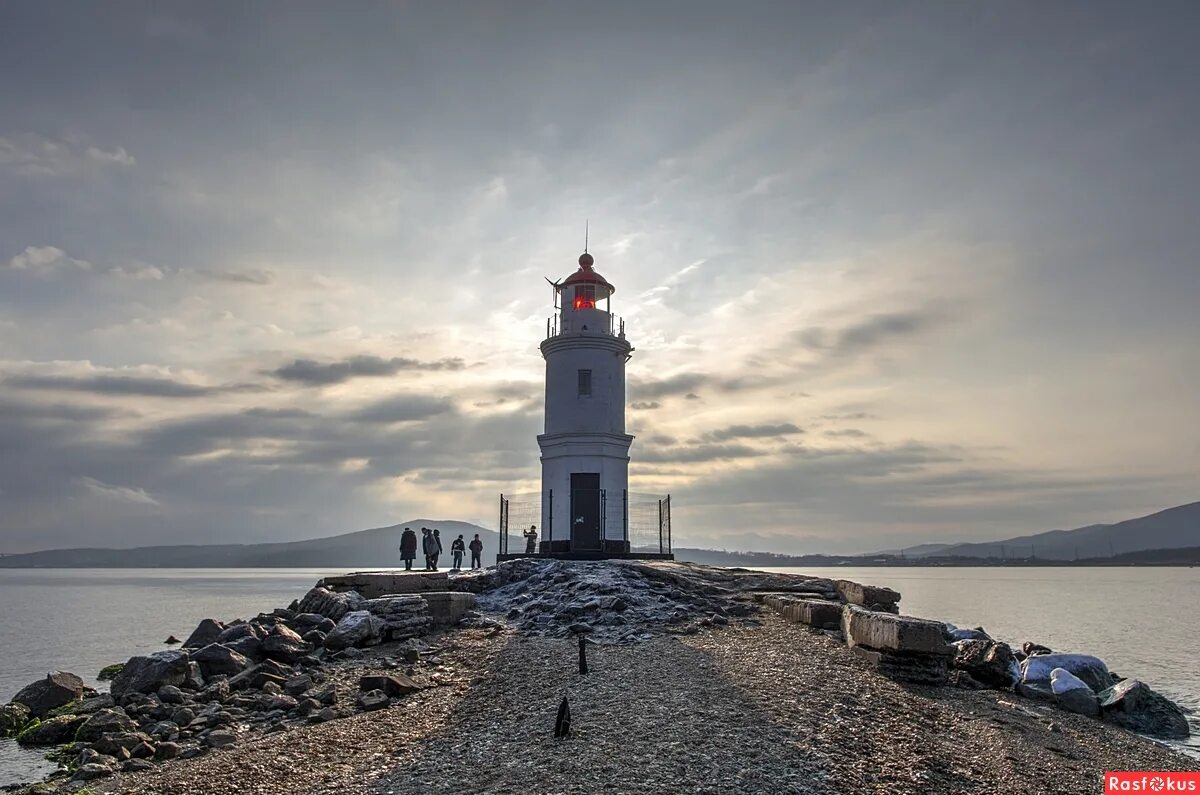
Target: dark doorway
585, 511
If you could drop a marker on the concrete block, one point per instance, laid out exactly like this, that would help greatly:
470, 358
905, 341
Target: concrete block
891, 633
814, 612
447, 608
923, 669
374, 584
855, 593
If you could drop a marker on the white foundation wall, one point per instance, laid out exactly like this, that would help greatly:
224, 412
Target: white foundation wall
605, 454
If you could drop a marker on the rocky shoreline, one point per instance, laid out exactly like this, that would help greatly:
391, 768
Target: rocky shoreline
335, 661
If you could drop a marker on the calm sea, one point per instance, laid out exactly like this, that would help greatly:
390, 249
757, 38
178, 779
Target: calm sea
1141, 621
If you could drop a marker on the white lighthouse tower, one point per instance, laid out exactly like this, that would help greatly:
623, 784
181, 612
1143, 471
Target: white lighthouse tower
585, 450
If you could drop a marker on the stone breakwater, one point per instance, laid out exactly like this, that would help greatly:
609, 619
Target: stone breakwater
934, 653
338, 653
228, 681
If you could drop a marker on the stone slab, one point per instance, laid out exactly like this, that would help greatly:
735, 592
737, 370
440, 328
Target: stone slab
856, 593
892, 633
374, 584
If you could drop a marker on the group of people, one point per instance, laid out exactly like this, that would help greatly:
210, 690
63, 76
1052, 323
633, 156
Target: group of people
431, 548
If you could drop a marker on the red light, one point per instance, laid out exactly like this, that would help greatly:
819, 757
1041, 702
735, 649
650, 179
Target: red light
585, 303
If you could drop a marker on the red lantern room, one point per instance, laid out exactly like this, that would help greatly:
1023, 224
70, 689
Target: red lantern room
579, 297
585, 287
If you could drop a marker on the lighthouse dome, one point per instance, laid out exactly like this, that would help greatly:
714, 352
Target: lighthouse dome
586, 275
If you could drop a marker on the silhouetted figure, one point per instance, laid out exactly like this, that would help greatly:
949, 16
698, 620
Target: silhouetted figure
530, 539
408, 548
476, 548
457, 548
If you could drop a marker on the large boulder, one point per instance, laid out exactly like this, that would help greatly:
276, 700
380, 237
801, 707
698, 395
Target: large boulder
13, 718
1133, 705
51, 731
331, 604
1037, 670
105, 721
356, 628
58, 689
216, 659
205, 633
146, 674
1073, 694
284, 645
987, 661
891, 633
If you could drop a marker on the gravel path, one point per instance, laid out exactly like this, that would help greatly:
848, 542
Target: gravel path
650, 717
776, 708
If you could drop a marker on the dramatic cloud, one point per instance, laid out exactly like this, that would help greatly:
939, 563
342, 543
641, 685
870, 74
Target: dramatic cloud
46, 259
118, 493
40, 156
112, 385
402, 408
753, 432
311, 373
919, 274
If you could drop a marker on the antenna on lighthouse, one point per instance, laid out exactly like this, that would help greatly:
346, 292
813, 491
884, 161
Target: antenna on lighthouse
585, 236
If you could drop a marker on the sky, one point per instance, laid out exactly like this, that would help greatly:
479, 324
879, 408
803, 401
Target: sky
894, 273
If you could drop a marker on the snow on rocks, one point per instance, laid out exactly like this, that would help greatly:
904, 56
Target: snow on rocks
1073, 693
1037, 670
620, 601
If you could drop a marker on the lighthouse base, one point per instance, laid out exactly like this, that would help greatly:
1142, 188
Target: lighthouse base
577, 555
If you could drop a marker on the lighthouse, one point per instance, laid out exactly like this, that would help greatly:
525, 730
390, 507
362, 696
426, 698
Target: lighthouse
584, 447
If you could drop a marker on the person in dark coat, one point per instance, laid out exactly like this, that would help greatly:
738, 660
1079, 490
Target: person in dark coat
408, 548
530, 540
476, 548
437, 546
457, 548
427, 547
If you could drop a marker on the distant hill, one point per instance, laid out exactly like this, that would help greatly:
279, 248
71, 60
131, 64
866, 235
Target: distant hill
377, 547
1170, 529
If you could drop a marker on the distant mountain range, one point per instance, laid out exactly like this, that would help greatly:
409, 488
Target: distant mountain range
378, 547
1167, 536
1170, 529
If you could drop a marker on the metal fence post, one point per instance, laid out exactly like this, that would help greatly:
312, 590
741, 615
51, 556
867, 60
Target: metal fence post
660, 528
625, 520
550, 522
668, 523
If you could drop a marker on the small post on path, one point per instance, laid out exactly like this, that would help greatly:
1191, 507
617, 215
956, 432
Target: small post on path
583, 668
562, 723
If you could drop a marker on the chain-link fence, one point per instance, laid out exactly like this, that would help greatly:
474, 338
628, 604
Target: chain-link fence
604, 522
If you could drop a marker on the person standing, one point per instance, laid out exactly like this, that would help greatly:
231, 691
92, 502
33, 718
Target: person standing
531, 540
437, 546
476, 548
408, 547
427, 548
457, 548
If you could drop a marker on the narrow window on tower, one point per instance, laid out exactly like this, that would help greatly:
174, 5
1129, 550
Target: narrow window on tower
585, 383
585, 296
